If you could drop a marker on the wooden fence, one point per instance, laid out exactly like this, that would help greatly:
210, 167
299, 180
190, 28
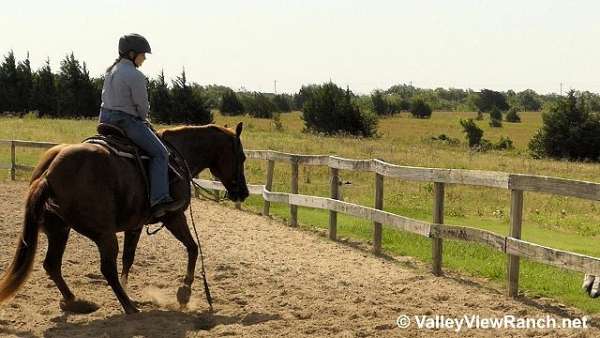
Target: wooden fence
511, 245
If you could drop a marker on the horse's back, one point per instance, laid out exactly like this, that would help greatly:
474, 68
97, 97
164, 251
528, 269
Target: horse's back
87, 180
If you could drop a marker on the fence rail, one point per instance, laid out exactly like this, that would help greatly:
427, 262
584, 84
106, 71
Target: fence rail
511, 245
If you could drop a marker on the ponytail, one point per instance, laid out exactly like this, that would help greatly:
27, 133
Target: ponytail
114, 63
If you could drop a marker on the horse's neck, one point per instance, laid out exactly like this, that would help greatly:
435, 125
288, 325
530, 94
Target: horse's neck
197, 148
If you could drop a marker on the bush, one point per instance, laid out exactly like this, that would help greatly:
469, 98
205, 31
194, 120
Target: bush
420, 109
258, 105
495, 123
446, 139
513, 116
282, 103
330, 110
231, 104
569, 131
505, 143
380, 104
489, 99
472, 131
495, 118
276, 123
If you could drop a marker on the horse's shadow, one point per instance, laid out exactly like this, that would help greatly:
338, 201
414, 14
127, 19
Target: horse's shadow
153, 323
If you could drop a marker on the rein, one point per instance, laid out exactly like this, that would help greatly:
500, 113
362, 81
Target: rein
189, 177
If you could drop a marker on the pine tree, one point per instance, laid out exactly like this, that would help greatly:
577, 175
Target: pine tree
261, 106
88, 97
380, 104
282, 103
189, 106
24, 87
8, 84
69, 83
161, 104
231, 104
44, 91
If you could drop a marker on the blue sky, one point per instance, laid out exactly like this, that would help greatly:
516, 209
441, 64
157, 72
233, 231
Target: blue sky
363, 44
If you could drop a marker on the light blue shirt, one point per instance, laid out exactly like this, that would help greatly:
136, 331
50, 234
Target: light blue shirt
125, 89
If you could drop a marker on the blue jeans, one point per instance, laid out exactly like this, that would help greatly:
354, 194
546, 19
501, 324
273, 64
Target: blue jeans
145, 138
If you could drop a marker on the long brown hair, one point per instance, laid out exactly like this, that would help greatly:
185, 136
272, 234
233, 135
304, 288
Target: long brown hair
114, 63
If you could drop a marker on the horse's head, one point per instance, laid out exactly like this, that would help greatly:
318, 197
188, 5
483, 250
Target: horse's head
229, 167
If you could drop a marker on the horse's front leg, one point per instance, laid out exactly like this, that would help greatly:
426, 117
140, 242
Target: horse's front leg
177, 225
129, 245
591, 285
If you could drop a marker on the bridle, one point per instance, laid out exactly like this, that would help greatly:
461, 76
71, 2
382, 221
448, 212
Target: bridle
235, 183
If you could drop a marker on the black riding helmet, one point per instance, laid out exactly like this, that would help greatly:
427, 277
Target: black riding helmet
135, 43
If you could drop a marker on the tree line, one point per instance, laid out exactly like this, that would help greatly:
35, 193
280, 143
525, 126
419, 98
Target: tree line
571, 123
72, 92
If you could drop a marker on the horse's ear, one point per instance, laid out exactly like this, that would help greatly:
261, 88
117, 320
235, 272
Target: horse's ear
238, 129
225, 125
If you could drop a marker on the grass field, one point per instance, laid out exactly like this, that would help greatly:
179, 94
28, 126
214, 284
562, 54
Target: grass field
561, 222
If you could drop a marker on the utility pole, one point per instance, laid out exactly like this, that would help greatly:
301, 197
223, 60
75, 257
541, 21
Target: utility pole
275, 86
561, 88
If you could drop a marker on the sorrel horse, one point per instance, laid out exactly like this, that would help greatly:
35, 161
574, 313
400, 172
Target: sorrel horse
97, 194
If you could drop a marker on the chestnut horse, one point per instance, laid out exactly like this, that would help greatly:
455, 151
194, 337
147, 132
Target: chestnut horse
98, 194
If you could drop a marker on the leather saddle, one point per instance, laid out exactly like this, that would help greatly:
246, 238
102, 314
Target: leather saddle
117, 143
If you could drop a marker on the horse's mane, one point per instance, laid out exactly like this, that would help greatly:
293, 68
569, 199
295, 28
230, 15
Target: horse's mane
208, 126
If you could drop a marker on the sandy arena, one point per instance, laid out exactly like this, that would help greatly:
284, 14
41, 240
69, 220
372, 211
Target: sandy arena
267, 280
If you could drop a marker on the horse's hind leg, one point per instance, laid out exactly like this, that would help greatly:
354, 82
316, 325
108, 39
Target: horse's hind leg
109, 249
177, 225
129, 245
58, 234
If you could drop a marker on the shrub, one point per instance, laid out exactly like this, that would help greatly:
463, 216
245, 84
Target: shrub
512, 116
505, 143
420, 109
489, 99
330, 110
472, 131
569, 131
495, 118
380, 104
446, 139
258, 105
282, 103
231, 104
276, 123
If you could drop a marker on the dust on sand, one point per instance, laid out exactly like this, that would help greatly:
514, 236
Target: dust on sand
266, 279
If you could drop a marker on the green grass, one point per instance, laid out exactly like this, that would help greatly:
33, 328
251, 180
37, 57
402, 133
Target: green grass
560, 222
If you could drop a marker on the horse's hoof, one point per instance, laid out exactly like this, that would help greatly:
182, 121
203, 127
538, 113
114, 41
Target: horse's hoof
78, 306
183, 294
131, 311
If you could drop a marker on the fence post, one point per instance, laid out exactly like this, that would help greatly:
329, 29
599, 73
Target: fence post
13, 160
334, 181
377, 231
294, 188
516, 219
268, 185
438, 218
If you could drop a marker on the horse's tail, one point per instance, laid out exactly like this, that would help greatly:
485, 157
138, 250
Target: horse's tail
19, 269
